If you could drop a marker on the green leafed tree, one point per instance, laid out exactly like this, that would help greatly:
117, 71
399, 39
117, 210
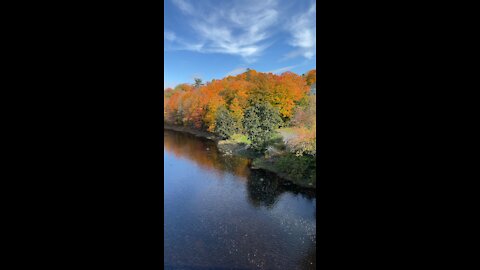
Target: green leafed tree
260, 122
225, 123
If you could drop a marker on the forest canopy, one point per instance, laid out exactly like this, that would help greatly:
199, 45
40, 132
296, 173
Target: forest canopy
231, 105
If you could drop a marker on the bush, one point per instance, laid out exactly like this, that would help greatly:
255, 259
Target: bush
304, 142
300, 168
306, 114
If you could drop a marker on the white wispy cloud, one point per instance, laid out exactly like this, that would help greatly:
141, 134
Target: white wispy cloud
283, 69
303, 31
184, 6
237, 28
168, 35
289, 68
236, 71
245, 28
175, 43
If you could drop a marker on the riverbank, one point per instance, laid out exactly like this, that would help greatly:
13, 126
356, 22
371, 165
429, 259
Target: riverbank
196, 132
228, 147
300, 171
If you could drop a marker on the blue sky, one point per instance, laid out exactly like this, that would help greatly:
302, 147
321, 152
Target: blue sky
210, 39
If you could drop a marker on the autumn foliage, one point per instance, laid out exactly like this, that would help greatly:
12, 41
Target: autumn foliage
203, 106
189, 106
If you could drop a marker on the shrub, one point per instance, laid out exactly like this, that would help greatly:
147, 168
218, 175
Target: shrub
306, 114
300, 168
304, 142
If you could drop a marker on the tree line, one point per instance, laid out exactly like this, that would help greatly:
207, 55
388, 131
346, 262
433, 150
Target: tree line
253, 104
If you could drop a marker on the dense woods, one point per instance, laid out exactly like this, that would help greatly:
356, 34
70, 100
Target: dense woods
252, 105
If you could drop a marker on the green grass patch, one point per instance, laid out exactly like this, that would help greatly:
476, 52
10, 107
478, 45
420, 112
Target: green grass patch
240, 138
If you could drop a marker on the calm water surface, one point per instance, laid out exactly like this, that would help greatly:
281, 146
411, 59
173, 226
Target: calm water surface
219, 214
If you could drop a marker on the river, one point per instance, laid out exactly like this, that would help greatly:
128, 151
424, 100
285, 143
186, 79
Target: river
220, 214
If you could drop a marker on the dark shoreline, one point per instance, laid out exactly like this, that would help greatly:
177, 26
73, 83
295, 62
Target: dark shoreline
198, 133
239, 150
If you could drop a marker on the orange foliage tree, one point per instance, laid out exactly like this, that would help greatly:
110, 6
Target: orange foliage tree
197, 106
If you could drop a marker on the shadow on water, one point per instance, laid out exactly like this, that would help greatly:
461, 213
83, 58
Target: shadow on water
264, 187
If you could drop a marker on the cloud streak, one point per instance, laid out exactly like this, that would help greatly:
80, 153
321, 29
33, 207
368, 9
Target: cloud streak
244, 28
237, 28
304, 34
283, 69
184, 6
236, 71
168, 35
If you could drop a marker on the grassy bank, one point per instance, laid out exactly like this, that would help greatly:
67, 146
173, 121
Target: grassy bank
238, 145
299, 170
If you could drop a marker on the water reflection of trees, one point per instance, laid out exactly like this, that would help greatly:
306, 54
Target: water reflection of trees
204, 153
265, 188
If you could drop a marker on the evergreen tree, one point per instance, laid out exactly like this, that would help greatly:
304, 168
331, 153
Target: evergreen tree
260, 122
225, 124
198, 82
